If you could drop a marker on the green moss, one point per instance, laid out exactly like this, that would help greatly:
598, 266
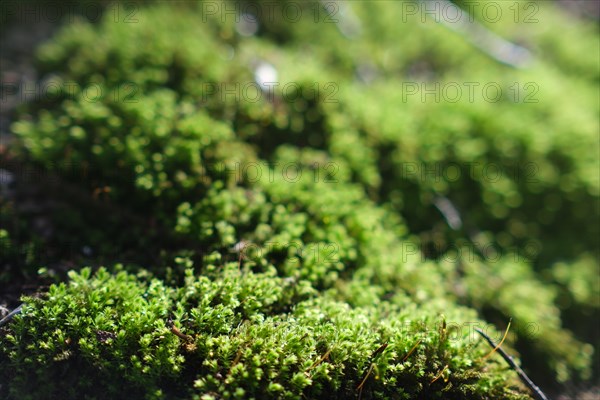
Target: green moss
328, 196
241, 334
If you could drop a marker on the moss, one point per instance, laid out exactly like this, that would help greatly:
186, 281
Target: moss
240, 334
330, 196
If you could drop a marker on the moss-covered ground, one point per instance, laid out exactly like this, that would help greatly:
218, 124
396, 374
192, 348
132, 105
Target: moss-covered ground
320, 201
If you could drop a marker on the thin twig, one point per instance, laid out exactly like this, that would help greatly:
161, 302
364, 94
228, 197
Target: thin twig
412, 350
364, 380
499, 344
377, 352
537, 392
440, 374
320, 360
178, 333
14, 312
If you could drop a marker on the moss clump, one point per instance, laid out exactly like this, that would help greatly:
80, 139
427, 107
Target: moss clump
343, 247
239, 335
